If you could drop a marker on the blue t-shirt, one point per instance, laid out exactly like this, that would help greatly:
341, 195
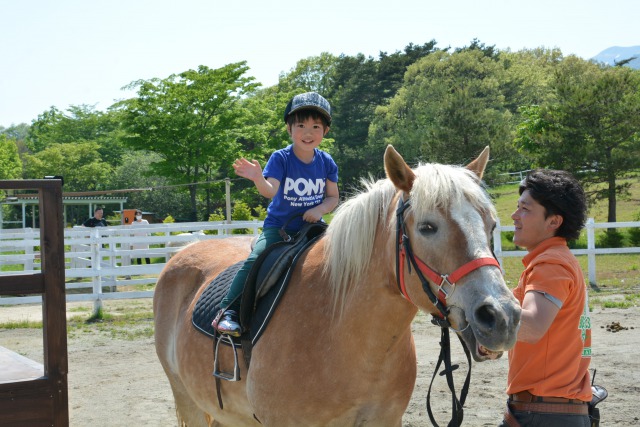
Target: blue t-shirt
302, 186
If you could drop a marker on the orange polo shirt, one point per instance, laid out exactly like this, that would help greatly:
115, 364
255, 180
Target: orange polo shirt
557, 365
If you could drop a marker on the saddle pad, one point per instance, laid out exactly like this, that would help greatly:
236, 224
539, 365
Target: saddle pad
208, 303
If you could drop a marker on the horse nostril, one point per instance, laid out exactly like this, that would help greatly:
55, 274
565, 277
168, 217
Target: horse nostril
486, 316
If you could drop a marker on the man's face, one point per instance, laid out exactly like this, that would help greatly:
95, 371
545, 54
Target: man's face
99, 213
531, 225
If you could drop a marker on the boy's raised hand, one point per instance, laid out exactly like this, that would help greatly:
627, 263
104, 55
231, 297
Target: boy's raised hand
247, 169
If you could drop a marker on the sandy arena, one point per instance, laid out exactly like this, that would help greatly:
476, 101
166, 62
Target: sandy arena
118, 381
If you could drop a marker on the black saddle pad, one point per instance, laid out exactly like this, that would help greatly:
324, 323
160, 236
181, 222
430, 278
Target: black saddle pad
208, 304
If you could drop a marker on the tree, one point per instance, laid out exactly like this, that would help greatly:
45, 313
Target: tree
450, 107
10, 164
360, 85
591, 127
313, 74
155, 192
190, 119
81, 123
80, 164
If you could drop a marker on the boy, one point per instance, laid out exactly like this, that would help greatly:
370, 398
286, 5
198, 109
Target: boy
302, 182
548, 381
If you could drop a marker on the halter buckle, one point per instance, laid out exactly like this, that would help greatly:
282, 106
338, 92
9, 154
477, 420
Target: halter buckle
445, 279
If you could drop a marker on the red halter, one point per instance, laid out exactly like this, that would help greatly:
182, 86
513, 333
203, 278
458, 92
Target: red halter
404, 251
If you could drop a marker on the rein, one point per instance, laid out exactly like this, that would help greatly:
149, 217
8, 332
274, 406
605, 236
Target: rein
403, 251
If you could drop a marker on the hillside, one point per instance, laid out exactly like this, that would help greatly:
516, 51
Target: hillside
617, 53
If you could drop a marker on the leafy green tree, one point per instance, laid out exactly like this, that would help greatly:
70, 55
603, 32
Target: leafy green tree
190, 119
80, 123
152, 193
17, 133
313, 74
80, 164
360, 85
591, 127
450, 107
10, 164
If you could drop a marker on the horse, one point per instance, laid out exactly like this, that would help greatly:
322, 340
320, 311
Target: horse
339, 350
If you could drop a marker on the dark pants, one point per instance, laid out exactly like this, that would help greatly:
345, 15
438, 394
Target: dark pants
268, 237
537, 419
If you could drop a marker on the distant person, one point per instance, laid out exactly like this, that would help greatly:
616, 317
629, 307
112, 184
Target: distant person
139, 222
548, 381
97, 220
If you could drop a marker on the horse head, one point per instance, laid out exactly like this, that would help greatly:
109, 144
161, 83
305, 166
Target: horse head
445, 264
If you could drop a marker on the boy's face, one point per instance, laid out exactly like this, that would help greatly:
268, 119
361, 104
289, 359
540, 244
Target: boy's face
531, 225
307, 134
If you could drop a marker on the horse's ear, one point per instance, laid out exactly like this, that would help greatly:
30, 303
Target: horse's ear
397, 170
478, 165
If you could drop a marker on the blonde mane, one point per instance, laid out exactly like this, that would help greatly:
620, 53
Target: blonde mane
352, 231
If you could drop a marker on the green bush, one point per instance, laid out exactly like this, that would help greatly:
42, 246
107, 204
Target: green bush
217, 215
634, 233
261, 212
610, 239
241, 212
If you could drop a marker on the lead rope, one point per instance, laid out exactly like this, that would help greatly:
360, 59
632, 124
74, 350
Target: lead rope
445, 356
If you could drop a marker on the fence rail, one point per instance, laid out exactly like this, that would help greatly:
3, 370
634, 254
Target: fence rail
104, 254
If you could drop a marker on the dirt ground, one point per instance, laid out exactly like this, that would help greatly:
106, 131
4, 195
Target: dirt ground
116, 380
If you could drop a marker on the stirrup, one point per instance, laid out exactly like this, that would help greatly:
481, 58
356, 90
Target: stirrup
228, 376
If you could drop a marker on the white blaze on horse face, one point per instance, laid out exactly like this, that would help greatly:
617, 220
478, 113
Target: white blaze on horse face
473, 226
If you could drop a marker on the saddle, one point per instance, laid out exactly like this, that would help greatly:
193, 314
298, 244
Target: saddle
266, 283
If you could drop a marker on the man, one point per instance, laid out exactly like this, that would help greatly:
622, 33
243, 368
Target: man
548, 381
97, 220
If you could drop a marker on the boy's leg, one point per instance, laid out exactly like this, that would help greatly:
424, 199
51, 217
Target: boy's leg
227, 320
267, 238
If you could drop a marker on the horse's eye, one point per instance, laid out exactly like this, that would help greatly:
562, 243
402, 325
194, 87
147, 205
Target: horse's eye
427, 228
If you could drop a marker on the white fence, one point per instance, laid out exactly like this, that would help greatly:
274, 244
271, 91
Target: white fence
104, 254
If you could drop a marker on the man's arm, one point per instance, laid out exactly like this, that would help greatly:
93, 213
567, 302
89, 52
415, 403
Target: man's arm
538, 313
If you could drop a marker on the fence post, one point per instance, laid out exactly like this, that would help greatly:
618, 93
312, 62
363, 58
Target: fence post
591, 247
227, 190
96, 267
28, 249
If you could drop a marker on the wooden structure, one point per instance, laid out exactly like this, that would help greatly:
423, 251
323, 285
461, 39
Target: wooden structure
32, 394
27, 201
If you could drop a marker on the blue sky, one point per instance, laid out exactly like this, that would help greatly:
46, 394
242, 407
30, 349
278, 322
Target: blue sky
71, 52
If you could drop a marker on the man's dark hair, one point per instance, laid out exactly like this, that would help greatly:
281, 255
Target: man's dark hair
560, 194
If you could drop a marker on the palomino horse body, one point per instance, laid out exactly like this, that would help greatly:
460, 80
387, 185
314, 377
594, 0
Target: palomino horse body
339, 351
